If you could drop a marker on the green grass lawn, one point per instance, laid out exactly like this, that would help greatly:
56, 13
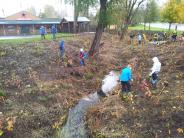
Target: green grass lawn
141, 27
37, 38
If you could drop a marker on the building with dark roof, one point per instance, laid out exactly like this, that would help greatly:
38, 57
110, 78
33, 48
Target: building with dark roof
24, 23
68, 22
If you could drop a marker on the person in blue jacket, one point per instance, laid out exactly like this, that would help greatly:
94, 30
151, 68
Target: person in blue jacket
62, 48
125, 78
53, 31
42, 32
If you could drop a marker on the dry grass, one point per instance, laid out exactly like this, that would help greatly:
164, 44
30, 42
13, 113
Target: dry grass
158, 116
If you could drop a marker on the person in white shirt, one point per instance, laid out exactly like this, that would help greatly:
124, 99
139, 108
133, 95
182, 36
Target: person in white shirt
154, 71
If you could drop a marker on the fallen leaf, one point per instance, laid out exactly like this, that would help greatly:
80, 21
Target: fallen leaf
10, 125
1, 132
180, 130
169, 132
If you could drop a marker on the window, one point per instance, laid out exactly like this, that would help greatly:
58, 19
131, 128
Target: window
11, 28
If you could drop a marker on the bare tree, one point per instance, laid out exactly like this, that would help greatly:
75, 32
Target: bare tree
130, 8
49, 12
32, 10
80, 6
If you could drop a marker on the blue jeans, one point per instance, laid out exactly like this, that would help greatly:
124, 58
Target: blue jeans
62, 52
140, 42
154, 79
126, 87
53, 36
82, 62
42, 36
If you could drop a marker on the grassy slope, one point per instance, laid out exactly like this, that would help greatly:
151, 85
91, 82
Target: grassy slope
36, 39
141, 27
159, 116
38, 88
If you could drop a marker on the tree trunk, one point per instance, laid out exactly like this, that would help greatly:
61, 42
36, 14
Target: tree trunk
76, 14
124, 31
100, 28
149, 27
96, 42
176, 27
144, 26
87, 11
169, 26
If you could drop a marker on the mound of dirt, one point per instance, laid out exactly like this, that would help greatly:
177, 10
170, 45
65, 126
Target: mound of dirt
158, 116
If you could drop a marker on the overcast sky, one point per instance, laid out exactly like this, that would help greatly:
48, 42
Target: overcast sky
8, 7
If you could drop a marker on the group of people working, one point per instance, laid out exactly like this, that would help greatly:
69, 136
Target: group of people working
161, 36
43, 31
82, 55
140, 37
126, 75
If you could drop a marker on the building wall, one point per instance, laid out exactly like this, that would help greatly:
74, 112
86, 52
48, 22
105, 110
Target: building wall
1, 30
8, 30
81, 27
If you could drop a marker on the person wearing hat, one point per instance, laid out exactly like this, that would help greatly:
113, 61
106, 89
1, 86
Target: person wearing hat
82, 63
154, 71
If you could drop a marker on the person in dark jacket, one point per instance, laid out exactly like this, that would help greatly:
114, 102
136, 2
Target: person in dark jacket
132, 35
174, 36
62, 49
42, 32
53, 31
125, 78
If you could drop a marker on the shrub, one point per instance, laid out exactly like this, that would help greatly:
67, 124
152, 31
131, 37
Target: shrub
2, 93
67, 85
38, 50
88, 75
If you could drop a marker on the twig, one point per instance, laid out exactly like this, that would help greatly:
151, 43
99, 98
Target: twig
162, 90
